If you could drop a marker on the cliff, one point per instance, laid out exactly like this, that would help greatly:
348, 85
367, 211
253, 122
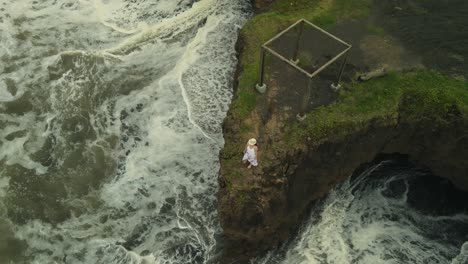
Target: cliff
419, 113
261, 208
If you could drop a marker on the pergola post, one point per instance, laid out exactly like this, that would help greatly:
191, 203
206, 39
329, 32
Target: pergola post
261, 86
298, 39
305, 101
343, 64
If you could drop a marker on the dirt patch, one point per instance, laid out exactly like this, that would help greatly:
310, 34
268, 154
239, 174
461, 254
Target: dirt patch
435, 30
386, 51
373, 48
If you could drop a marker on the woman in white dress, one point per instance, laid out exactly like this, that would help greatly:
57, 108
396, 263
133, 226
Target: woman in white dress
251, 153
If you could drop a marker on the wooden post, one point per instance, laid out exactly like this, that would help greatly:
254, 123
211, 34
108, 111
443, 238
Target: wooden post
306, 100
261, 86
262, 65
342, 69
298, 39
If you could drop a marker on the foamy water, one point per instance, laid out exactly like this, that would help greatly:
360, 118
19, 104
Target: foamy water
373, 218
110, 128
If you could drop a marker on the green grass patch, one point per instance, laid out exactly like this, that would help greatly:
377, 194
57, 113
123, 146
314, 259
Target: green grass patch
338, 8
240, 199
245, 128
325, 20
229, 186
352, 8
266, 25
236, 175
257, 31
343, 9
415, 96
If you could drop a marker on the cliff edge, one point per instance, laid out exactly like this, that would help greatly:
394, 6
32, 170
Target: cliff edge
412, 110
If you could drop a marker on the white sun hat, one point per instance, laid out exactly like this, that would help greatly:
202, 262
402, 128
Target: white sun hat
252, 141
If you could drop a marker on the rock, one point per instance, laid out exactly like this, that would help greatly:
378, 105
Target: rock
276, 208
379, 72
260, 212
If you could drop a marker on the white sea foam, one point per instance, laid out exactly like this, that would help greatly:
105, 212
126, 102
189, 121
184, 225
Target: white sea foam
463, 256
16, 149
359, 223
5, 95
3, 186
125, 69
129, 18
168, 28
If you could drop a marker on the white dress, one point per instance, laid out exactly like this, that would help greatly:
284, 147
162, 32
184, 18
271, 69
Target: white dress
250, 156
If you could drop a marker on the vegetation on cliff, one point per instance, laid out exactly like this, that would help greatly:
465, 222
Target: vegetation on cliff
265, 25
420, 112
419, 96
416, 95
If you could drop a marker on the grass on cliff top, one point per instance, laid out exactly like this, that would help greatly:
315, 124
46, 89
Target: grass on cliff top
422, 95
416, 96
266, 25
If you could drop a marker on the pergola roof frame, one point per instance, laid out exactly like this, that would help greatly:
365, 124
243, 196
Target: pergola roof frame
261, 86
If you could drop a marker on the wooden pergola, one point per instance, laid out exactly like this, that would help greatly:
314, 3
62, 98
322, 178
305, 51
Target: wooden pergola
293, 61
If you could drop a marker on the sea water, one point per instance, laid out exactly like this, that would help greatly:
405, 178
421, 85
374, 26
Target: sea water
110, 128
392, 212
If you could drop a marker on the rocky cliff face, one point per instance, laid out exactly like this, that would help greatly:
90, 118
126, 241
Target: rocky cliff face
261, 208
277, 197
